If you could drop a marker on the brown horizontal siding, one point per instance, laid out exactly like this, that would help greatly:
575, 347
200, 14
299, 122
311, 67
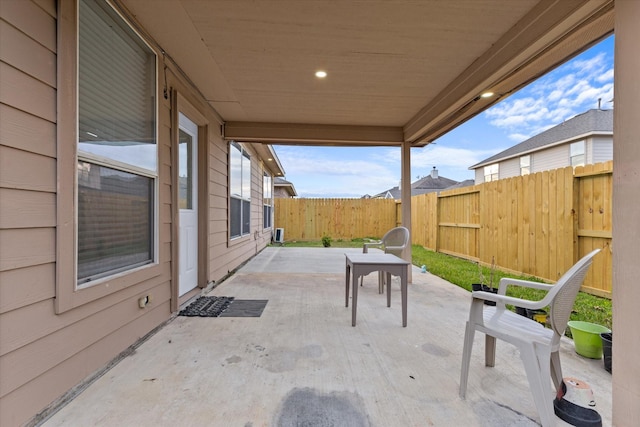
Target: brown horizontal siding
49, 6
26, 209
32, 19
26, 171
24, 402
25, 286
25, 247
27, 132
31, 360
44, 354
39, 64
165, 213
164, 155
217, 215
18, 329
25, 93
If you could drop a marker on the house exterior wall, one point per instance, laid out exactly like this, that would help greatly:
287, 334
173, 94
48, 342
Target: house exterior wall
550, 158
280, 192
510, 167
479, 175
597, 149
45, 350
602, 148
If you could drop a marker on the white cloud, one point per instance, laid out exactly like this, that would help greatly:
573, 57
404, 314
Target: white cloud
555, 95
446, 157
590, 65
329, 172
519, 137
565, 92
605, 77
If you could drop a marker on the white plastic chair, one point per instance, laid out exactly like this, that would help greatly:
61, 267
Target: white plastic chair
539, 346
393, 242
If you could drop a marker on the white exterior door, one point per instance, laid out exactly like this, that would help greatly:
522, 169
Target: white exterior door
188, 205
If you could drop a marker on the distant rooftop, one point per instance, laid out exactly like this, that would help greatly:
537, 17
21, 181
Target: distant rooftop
285, 185
427, 184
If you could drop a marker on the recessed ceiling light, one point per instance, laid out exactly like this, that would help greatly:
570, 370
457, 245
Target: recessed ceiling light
321, 74
487, 95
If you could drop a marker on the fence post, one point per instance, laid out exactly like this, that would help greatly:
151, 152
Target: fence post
575, 202
437, 224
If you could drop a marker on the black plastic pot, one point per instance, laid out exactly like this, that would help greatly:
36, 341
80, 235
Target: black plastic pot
607, 341
532, 314
481, 287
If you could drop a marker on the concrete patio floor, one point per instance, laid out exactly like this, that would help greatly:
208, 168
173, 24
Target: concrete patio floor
302, 363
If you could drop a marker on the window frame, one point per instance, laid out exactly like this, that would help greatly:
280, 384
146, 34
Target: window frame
68, 294
244, 196
525, 167
267, 201
493, 175
581, 156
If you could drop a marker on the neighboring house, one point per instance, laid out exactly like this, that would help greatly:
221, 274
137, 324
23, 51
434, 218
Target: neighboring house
584, 139
427, 184
283, 188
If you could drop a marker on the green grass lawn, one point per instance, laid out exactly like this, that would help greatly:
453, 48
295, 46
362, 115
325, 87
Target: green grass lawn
463, 273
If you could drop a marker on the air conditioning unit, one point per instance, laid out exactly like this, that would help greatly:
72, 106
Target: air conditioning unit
279, 237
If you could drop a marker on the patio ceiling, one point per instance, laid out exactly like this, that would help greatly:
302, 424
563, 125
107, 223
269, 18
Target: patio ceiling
397, 70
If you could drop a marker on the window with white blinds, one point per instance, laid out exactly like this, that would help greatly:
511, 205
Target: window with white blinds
267, 200
117, 151
240, 191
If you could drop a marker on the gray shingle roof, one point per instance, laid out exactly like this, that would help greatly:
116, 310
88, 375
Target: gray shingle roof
283, 183
426, 184
592, 121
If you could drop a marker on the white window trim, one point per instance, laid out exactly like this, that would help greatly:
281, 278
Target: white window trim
243, 153
572, 156
491, 173
270, 205
527, 166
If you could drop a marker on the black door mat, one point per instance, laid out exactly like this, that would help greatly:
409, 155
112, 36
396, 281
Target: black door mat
245, 308
224, 307
206, 307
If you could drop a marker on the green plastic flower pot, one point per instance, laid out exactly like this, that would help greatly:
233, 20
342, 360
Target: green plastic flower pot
586, 337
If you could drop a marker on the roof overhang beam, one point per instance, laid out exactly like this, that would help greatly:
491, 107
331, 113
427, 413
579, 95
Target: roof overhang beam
313, 134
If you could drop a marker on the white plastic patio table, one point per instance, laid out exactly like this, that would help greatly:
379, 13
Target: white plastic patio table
363, 264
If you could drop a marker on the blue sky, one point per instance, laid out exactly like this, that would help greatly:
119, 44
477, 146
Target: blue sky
571, 89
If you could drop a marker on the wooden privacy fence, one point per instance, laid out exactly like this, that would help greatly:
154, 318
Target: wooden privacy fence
538, 224
310, 219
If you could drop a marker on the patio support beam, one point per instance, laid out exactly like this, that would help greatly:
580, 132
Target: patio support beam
626, 211
296, 133
405, 194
